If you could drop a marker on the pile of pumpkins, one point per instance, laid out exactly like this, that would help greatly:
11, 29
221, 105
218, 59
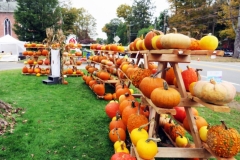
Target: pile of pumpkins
109, 47
128, 116
156, 40
222, 141
39, 52
35, 70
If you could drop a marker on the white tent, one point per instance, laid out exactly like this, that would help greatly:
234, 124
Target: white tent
11, 48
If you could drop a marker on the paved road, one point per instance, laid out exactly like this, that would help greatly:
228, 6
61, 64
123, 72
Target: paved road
230, 71
10, 65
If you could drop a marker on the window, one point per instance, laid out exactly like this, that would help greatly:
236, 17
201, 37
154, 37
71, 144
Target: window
7, 27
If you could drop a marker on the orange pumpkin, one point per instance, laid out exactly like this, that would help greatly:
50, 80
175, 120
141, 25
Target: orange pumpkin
148, 84
108, 96
116, 134
136, 120
200, 122
165, 97
118, 123
24, 69
131, 109
99, 89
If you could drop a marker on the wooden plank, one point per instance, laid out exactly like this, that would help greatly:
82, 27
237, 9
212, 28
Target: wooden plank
174, 152
215, 108
186, 102
145, 100
171, 51
169, 58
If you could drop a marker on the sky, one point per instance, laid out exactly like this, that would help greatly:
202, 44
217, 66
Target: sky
106, 10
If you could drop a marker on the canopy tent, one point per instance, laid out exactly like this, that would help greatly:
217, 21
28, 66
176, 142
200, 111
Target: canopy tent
11, 48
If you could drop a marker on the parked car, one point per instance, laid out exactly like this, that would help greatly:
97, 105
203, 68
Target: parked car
228, 52
21, 56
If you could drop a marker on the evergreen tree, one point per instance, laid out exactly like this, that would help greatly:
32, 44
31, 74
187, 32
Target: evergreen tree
33, 17
141, 17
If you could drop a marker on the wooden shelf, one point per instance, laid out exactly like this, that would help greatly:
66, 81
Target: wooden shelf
215, 108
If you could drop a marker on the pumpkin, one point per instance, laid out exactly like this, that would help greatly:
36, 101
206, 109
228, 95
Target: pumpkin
104, 75
118, 143
65, 82
138, 76
175, 41
208, 42
146, 148
170, 75
138, 133
111, 109
148, 84
213, 92
24, 69
126, 103
117, 133
156, 42
108, 96
37, 70
121, 91
46, 61
136, 120
99, 89
126, 96
165, 97
118, 123
223, 141
88, 79
200, 122
128, 111
195, 44
167, 126
189, 75
175, 130
122, 156
44, 52
148, 38
30, 70
122, 148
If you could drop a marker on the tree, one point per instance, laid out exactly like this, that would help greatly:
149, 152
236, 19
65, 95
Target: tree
85, 25
141, 16
123, 11
192, 16
111, 29
33, 17
231, 19
69, 17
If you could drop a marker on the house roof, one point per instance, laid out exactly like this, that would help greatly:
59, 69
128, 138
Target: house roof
7, 6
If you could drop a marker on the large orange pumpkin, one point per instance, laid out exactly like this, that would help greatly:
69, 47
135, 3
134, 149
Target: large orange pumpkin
99, 89
148, 84
165, 97
136, 120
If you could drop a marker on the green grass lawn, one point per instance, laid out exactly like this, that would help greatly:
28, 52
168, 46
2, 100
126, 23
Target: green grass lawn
64, 121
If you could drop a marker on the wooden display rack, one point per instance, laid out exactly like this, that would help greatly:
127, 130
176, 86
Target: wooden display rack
173, 57
108, 54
